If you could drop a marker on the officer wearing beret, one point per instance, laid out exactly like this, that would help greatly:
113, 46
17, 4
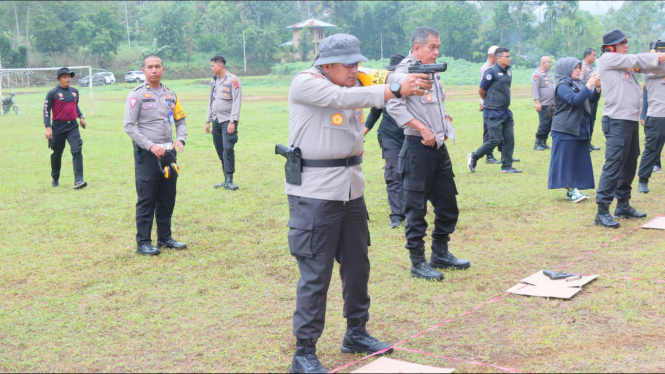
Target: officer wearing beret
151, 112
63, 102
654, 127
224, 112
542, 91
488, 64
391, 140
587, 72
328, 216
623, 102
426, 165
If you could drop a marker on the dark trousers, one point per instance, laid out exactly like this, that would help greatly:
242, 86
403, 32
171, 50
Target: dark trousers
544, 124
156, 196
322, 232
486, 137
393, 180
594, 110
428, 175
66, 132
500, 131
622, 149
654, 131
224, 143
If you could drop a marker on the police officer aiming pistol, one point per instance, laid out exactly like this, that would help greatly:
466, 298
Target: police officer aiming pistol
623, 102
224, 113
328, 216
63, 102
151, 112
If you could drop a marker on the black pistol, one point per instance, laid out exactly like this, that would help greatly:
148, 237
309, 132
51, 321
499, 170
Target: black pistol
50, 142
657, 46
430, 69
556, 276
293, 166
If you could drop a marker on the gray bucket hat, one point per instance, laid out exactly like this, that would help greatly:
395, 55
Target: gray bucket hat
339, 49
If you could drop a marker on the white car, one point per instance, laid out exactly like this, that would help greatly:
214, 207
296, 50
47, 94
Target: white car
109, 78
135, 76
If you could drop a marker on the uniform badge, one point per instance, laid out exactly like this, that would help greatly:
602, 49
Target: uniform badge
150, 105
225, 88
626, 75
226, 94
147, 95
428, 97
362, 119
169, 97
510, 73
45, 101
546, 83
535, 77
74, 93
236, 84
133, 101
488, 77
60, 94
337, 119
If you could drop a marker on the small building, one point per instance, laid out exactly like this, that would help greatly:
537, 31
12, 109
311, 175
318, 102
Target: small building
316, 27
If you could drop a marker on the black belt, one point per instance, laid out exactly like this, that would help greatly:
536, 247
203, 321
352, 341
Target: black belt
65, 121
346, 162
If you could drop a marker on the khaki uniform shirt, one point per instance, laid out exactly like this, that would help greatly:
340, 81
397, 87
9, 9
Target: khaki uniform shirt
428, 109
655, 85
326, 122
147, 117
623, 95
483, 69
542, 87
587, 72
225, 96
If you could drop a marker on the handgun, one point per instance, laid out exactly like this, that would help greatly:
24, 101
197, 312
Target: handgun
50, 142
430, 69
293, 165
657, 46
556, 276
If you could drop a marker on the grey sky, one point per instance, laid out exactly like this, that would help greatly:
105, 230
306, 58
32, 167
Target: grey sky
594, 7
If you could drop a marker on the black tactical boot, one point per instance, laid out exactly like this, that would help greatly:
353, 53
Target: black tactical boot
304, 359
491, 159
419, 266
643, 187
624, 210
604, 218
544, 144
228, 182
539, 145
442, 259
357, 339
54, 183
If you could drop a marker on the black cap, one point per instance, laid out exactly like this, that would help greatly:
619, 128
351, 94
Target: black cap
394, 61
613, 37
62, 71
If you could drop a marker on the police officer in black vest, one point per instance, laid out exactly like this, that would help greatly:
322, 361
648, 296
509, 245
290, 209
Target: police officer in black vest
495, 90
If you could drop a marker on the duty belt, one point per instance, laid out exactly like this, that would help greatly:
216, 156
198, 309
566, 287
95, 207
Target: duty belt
346, 162
67, 122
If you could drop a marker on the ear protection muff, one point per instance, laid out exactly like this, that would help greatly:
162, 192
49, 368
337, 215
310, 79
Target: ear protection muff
609, 48
168, 170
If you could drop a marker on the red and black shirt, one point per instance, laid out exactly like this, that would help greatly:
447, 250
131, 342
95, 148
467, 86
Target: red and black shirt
64, 102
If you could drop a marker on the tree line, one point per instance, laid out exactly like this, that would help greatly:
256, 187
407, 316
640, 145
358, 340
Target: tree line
101, 32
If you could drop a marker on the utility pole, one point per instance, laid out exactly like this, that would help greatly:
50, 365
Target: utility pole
244, 56
129, 44
2, 110
381, 34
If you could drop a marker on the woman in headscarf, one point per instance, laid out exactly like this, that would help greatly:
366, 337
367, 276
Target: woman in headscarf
570, 163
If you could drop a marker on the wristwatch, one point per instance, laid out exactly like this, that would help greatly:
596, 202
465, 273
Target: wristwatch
395, 87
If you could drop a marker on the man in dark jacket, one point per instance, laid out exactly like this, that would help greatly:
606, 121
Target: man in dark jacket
391, 140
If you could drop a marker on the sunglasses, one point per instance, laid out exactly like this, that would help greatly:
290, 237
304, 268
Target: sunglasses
351, 66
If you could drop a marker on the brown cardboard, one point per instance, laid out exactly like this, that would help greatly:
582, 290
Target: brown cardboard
540, 279
656, 223
544, 291
388, 365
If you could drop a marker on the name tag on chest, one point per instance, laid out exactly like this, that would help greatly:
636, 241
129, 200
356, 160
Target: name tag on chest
500, 73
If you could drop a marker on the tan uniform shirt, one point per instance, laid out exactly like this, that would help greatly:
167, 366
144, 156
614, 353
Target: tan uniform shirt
147, 117
587, 72
428, 109
623, 95
225, 94
655, 84
326, 122
542, 87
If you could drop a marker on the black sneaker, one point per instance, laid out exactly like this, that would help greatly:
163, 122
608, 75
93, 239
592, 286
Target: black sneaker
510, 171
516, 159
80, 184
643, 187
54, 183
358, 340
593, 147
395, 223
423, 270
305, 359
491, 159
471, 162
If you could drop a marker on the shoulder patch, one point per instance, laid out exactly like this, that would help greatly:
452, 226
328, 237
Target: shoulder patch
133, 101
488, 77
236, 84
535, 77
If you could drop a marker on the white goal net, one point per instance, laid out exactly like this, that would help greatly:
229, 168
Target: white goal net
12, 79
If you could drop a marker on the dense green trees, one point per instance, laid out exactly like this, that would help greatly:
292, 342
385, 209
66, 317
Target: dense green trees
97, 31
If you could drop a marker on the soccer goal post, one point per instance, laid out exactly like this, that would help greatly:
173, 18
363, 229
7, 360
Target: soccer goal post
39, 77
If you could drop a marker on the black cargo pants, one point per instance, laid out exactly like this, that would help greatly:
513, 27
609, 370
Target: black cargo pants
501, 131
156, 195
393, 179
224, 143
66, 132
322, 232
622, 149
654, 131
428, 175
544, 123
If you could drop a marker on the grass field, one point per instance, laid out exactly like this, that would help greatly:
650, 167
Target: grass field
75, 297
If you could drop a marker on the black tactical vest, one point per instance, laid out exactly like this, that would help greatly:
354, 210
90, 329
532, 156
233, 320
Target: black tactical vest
498, 95
568, 118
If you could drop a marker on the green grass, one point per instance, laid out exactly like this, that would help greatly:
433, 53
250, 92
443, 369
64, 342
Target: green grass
75, 297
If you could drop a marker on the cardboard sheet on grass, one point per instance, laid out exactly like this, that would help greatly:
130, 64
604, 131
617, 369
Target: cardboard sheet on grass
656, 223
388, 365
541, 285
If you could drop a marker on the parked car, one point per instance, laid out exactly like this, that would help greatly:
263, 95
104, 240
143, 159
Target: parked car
135, 76
98, 79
